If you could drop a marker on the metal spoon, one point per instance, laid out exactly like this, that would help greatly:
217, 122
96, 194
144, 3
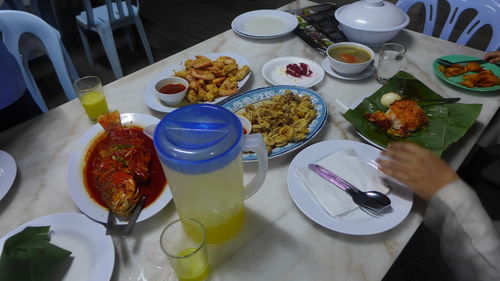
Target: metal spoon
368, 199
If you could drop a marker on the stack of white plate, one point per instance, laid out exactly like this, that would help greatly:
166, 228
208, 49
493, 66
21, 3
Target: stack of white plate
264, 24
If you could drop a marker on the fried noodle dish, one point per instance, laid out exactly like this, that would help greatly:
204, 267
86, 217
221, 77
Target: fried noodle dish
209, 79
117, 163
281, 119
481, 78
403, 117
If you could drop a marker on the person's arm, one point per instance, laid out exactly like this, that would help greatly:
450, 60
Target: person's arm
493, 57
470, 243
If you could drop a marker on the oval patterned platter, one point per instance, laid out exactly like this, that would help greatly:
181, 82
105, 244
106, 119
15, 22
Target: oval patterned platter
238, 102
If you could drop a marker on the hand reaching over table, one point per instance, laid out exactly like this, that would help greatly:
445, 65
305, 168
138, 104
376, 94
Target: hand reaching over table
418, 168
493, 57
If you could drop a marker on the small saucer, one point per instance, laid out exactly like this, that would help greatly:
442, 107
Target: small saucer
8, 171
363, 75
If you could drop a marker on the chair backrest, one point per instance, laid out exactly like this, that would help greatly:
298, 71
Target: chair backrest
116, 12
13, 24
488, 12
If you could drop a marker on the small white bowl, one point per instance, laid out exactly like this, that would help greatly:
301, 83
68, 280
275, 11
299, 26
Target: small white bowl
246, 124
349, 68
171, 98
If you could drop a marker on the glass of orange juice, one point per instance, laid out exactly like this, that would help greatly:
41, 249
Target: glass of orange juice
184, 243
89, 91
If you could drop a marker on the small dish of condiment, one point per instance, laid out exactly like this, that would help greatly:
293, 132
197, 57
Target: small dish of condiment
246, 124
171, 90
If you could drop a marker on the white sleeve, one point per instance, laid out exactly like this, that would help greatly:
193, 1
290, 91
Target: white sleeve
470, 243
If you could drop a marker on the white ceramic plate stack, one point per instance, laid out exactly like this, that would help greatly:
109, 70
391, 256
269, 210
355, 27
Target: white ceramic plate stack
264, 24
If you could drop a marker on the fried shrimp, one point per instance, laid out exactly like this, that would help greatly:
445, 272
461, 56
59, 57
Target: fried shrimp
209, 79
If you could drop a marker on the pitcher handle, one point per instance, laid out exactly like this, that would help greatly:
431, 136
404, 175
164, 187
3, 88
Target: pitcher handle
255, 142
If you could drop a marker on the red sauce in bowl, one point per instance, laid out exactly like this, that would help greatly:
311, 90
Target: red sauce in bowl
172, 88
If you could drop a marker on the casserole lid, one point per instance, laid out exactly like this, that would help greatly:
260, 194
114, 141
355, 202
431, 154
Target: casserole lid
377, 15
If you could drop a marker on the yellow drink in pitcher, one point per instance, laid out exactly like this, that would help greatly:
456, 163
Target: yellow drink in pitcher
191, 268
215, 199
94, 104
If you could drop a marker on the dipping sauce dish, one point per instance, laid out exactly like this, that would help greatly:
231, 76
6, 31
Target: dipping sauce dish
171, 90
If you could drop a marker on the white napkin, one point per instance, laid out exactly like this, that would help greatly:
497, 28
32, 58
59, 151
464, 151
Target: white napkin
346, 164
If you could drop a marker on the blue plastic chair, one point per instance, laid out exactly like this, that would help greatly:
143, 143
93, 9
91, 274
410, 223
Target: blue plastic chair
106, 18
488, 13
13, 24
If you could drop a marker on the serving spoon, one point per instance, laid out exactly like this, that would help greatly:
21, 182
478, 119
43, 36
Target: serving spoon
372, 200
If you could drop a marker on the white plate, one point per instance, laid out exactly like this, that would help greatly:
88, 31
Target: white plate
8, 171
357, 223
76, 187
264, 24
92, 251
153, 102
256, 37
274, 71
363, 75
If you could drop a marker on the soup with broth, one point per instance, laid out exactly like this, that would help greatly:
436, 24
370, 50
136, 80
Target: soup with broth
349, 54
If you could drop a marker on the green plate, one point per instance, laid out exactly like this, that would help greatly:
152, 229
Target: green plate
455, 80
447, 122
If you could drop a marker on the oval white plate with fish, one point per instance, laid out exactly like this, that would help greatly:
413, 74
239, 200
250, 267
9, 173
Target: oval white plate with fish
76, 185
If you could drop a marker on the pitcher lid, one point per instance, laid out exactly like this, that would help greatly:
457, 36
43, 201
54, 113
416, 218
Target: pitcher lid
198, 138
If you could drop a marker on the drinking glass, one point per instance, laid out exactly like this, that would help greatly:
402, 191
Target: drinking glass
89, 92
184, 243
390, 60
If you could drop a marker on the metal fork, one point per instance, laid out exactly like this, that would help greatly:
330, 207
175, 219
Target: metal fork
448, 63
112, 228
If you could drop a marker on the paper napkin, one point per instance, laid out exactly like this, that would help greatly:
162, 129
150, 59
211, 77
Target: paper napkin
346, 164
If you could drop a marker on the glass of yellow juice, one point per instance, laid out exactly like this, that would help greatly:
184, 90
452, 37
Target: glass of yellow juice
89, 91
184, 243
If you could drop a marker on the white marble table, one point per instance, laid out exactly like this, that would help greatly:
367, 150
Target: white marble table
278, 242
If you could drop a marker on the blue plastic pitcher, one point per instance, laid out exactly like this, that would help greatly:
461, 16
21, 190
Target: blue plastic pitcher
200, 147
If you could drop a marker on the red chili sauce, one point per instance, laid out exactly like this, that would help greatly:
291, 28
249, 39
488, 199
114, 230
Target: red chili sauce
156, 184
298, 70
172, 88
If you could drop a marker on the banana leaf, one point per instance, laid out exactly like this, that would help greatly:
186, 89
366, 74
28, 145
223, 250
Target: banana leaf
447, 122
29, 256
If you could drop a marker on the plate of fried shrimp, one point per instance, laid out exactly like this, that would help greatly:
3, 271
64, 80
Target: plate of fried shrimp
212, 78
470, 76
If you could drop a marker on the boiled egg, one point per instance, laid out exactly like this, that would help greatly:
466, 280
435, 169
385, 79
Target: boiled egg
389, 98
